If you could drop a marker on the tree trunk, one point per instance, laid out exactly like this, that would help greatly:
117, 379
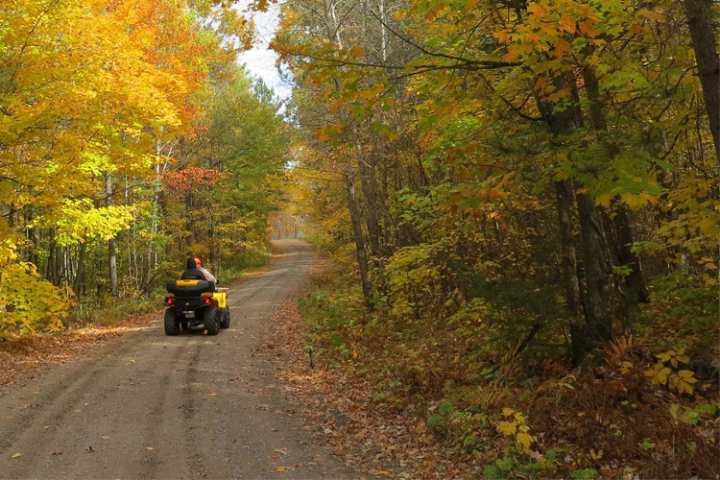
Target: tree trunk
598, 272
598, 288
564, 191
79, 286
112, 254
190, 239
565, 203
634, 286
360, 249
700, 22
369, 189
154, 225
32, 236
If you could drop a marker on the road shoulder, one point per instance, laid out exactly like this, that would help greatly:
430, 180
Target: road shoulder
339, 412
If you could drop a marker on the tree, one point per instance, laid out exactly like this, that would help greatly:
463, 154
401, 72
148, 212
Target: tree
503, 119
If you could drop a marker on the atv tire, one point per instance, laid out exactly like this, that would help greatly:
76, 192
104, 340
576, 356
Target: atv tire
172, 326
210, 320
225, 318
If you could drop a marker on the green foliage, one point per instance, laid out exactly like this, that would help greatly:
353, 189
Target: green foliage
683, 311
510, 466
694, 415
436, 423
108, 312
647, 444
585, 474
331, 314
445, 408
471, 442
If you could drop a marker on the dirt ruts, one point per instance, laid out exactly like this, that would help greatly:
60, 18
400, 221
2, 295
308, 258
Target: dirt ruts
150, 406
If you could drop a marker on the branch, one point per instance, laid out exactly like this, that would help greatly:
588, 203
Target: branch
426, 51
517, 110
475, 66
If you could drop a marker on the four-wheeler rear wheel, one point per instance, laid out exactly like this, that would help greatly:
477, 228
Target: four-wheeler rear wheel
210, 320
172, 327
225, 318
213, 318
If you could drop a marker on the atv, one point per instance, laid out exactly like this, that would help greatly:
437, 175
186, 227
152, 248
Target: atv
192, 303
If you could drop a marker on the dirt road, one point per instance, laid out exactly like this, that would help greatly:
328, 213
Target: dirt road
151, 406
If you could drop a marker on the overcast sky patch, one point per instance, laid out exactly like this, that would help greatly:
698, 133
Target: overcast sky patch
261, 61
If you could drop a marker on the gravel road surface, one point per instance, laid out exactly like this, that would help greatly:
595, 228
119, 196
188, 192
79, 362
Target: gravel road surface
150, 406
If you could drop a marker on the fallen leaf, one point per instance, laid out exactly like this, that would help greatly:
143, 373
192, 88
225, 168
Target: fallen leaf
16, 455
382, 473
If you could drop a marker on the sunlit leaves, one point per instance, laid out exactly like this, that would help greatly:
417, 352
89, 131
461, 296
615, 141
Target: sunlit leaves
28, 303
98, 83
79, 222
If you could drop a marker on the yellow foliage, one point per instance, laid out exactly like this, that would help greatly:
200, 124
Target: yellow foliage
524, 440
665, 372
28, 303
516, 426
507, 428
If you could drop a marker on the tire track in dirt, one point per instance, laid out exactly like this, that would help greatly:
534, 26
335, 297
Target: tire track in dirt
195, 460
67, 403
80, 376
151, 460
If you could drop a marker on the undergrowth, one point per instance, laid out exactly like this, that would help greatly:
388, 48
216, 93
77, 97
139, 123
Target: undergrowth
647, 406
110, 311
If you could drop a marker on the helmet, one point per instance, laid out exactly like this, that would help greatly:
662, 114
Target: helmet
198, 262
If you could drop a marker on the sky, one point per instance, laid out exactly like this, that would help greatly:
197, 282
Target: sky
260, 61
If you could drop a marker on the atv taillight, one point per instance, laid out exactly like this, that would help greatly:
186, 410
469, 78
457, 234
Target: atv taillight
169, 301
207, 301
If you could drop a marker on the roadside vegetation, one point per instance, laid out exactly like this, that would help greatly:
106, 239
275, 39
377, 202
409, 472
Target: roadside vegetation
129, 139
521, 200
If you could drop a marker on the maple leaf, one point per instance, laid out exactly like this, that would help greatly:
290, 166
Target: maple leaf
507, 428
525, 440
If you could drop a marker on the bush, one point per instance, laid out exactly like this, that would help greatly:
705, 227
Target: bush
29, 304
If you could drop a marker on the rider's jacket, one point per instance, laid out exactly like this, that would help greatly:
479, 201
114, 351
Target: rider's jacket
192, 274
198, 273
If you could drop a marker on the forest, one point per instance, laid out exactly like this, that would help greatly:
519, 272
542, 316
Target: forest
518, 202
129, 139
527, 192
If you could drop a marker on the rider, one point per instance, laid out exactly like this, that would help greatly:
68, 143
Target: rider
195, 271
